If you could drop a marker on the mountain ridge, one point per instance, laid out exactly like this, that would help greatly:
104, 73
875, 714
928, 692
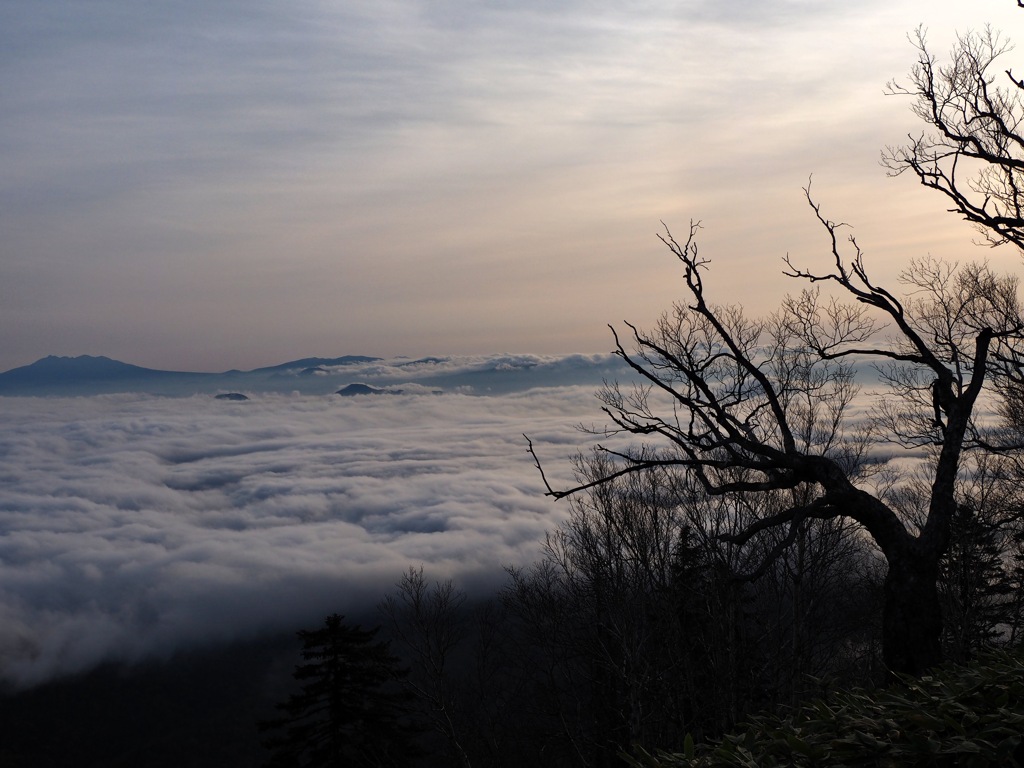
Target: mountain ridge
80, 364
85, 375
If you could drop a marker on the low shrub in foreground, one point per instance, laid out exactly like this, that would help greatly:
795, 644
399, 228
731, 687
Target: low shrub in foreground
970, 715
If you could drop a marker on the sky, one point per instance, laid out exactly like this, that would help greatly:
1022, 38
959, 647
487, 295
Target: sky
205, 186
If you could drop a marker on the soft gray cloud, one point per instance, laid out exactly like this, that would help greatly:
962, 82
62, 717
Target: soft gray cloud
133, 526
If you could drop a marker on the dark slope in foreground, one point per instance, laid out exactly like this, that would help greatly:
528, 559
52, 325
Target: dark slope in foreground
199, 709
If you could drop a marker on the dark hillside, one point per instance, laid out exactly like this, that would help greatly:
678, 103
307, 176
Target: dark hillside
193, 711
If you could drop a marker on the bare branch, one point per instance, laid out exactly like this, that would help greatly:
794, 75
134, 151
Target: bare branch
749, 407
974, 154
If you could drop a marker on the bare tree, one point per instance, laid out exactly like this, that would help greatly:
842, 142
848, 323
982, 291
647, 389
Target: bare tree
634, 630
757, 405
584, 614
975, 580
428, 623
974, 151
620, 621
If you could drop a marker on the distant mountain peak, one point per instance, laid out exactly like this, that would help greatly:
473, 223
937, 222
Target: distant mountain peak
317, 362
78, 365
88, 373
64, 359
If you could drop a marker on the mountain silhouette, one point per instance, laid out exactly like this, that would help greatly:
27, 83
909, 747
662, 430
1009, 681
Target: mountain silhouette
482, 374
90, 375
87, 374
317, 362
365, 389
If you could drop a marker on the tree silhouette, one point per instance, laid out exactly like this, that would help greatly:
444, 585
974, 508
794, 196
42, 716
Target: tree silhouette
974, 586
753, 406
350, 710
974, 152
429, 624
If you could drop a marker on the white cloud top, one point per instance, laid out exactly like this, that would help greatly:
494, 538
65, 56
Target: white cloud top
133, 525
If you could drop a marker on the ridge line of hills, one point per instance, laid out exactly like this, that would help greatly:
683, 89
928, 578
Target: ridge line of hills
85, 375
100, 365
97, 374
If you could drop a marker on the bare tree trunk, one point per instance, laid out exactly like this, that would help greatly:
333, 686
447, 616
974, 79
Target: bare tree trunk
912, 616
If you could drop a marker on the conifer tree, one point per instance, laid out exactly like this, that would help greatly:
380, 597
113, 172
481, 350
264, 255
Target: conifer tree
349, 711
974, 585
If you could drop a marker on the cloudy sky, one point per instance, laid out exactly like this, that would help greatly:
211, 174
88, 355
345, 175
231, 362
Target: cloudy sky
204, 186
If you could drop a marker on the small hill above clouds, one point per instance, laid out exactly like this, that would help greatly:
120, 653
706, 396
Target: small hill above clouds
365, 389
468, 374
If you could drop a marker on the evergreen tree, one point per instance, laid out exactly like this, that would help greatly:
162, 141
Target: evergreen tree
1015, 580
974, 586
350, 710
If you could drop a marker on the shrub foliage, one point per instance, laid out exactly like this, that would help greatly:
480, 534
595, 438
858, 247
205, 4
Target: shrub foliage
969, 715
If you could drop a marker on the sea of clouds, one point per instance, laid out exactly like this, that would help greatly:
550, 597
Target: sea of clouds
133, 526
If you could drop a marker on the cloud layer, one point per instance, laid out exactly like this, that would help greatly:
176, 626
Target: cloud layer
132, 525
135, 525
